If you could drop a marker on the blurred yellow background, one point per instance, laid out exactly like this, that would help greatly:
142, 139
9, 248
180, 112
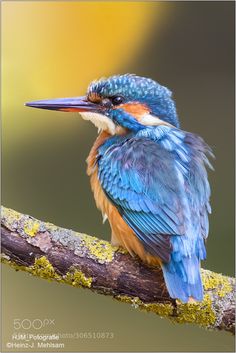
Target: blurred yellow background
54, 49
57, 48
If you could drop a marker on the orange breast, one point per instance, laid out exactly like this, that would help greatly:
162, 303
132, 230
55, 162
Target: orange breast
122, 234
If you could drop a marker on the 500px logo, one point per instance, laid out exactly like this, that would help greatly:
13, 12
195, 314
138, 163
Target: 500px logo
37, 324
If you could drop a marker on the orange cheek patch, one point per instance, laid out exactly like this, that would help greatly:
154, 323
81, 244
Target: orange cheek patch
135, 109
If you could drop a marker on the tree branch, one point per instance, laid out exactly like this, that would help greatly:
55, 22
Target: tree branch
65, 256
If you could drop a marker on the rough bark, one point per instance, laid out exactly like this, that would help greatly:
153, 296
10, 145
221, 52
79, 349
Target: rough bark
65, 256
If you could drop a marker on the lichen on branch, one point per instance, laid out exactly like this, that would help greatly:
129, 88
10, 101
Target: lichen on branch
69, 257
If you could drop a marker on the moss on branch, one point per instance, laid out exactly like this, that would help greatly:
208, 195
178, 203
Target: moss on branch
56, 254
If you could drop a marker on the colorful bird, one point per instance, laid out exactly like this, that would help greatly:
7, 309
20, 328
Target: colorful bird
148, 176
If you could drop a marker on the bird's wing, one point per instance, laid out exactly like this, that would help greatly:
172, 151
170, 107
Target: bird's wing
156, 182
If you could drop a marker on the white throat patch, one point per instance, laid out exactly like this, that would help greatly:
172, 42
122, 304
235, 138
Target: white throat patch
148, 119
102, 122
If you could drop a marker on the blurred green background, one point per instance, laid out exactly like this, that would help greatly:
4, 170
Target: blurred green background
54, 49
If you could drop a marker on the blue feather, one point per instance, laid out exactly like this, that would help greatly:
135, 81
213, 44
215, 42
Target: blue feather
182, 278
157, 179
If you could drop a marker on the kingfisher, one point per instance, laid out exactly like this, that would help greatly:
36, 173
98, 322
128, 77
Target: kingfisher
148, 176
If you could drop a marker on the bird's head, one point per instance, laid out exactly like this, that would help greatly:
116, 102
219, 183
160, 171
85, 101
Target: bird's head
120, 103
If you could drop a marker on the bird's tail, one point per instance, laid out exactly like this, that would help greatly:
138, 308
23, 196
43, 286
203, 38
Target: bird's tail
183, 279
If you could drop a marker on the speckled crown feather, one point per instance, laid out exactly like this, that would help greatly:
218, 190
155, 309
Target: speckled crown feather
140, 89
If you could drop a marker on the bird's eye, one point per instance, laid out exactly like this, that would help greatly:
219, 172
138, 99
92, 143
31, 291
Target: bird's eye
117, 100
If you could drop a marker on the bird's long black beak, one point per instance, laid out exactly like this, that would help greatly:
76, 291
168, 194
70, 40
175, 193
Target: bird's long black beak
76, 104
